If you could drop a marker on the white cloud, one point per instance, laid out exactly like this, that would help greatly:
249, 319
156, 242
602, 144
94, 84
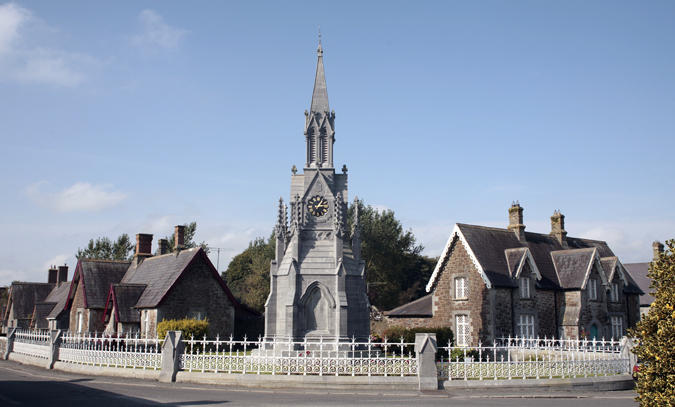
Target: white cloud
156, 33
57, 260
81, 197
23, 61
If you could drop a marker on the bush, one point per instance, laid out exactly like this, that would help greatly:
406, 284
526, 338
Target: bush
656, 336
188, 326
444, 336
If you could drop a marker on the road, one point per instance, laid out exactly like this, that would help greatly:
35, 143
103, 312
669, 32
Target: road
23, 385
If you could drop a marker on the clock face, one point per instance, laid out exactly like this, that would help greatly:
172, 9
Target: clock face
317, 206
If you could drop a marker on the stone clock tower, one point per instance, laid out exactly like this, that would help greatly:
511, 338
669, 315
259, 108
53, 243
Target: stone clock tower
318, 282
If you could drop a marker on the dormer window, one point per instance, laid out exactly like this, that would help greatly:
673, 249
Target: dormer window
524, 284
592, 289
461, 288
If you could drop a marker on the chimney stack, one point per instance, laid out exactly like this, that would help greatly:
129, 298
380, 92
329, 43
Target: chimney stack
52, 276
558, 228
63, 273
658, 250
179, 238
163, 246
143, 246
516, 221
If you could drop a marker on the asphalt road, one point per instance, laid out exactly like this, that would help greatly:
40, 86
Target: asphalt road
24, 385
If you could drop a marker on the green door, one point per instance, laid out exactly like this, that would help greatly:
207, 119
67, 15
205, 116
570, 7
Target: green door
594, 332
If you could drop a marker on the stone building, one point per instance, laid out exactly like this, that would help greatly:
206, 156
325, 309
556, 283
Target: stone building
317, 277
639, 272
492, 282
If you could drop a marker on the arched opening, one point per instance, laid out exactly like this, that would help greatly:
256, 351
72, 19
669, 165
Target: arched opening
316, 311
593, 335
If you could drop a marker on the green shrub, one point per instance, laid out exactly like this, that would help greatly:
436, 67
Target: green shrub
444, 336
457, 355
189, 326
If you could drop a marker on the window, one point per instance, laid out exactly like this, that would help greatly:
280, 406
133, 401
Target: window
80, 321
462, 326
615, 292
197, 315
524, 283
617, 327
526, 326
592, 289
461, 288
147, 323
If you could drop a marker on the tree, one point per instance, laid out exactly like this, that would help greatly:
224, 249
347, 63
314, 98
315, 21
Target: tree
656, 336
105, 249
248, 274
190, 230
396, 272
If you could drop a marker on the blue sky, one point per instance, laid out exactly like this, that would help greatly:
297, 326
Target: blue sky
135, 116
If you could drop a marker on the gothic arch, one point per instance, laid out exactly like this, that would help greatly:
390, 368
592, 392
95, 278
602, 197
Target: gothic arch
317, 305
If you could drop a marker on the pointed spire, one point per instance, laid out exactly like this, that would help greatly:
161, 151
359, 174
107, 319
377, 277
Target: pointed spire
320, 94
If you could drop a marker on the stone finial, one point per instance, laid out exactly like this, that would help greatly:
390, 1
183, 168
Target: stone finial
558, 228
281, 227
294, 169
658, 249
516, 220
344, 168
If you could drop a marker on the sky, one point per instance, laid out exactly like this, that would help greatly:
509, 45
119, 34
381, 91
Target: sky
136, 116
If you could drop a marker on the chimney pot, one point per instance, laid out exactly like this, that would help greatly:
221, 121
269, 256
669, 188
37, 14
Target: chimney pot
516, 221
63, 273
163, 246
179, 238
558, 228
52, 275
658, 250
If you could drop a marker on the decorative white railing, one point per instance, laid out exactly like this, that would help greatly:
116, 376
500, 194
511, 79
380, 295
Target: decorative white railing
517, 358
308, 357
32, 343
114, 350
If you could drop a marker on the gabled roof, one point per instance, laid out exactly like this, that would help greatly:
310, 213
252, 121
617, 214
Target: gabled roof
639, 273
421, 307
516, 260
58, 296
488, 247
161, 273
23, 296
124, 297
574, 266
96, 277
42, 309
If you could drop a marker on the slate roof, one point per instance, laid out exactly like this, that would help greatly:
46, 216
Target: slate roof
42, 309
421, 307
639, 272
59, 296
23, 297
124, 297
96, 277
490, 247
573, 266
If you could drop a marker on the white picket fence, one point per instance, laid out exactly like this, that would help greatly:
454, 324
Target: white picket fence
518, 358
32, 343
127, 350
308, 357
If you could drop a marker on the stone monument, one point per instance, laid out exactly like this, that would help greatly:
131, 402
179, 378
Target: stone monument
318, 282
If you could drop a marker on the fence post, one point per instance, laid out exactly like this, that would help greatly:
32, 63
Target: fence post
11, 331
54, 346
426, 347
171, 352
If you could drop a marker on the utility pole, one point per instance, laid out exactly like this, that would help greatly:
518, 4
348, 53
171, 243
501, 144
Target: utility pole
218, 249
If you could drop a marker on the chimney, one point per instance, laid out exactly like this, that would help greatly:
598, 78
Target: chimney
52, 276
558, 228
658, 250
516, 221
163, 246
143, 246
63, 273
179, 238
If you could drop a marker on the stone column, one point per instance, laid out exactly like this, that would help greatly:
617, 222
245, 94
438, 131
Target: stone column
10, 342
54, 346
426, 347
171, 352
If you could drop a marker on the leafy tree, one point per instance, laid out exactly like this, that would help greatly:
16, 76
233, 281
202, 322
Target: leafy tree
248, 274
190, 230
656, 336
395, 270
105, 249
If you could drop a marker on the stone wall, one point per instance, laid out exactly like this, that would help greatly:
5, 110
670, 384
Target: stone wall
76, 305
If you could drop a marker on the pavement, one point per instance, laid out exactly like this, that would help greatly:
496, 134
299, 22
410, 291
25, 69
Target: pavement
26, 385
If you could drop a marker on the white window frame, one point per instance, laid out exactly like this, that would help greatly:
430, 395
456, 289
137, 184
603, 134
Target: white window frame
146, 328
461, 288
526, 326
197, 315
462, 329
80, 321
615, 292
524, 284
617, 326
592, 289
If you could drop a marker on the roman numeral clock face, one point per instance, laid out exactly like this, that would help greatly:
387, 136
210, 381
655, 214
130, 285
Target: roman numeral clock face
317, 206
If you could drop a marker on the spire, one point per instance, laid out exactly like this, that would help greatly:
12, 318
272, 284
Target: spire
320, 94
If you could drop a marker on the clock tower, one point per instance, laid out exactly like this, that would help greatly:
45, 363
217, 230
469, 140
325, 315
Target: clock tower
318, 282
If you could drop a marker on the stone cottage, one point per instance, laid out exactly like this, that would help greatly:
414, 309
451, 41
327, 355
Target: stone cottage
492, 282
